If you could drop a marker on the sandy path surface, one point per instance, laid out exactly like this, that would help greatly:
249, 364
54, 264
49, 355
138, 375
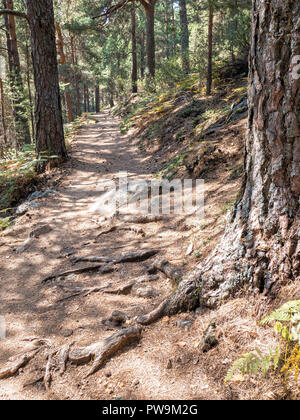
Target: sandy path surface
164, 363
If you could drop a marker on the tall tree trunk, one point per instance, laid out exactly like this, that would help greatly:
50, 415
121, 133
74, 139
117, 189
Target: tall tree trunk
167, 28
84, 98
88, 99
16, 83
173, 28
261, 245
111, 91
97, 99
134, 72
63, 61
142, 62
28, 72
3, 120
210, 47
184, 37
149, 7
48, 113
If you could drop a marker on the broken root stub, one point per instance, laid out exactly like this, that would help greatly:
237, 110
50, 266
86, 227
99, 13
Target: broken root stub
184, 299
99, 352
13, 368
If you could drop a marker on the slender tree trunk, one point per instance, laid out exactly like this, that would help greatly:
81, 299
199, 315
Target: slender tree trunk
111, 91
173, 29
84, 98
97, 99
210, 47
28, 71
63, 61
88, 99
149, 7
142, 45
184, 37
48, 113
16, 83
3, 120
134, 72
167, 28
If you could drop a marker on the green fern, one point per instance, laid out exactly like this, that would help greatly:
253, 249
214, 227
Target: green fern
286, 321
252, 363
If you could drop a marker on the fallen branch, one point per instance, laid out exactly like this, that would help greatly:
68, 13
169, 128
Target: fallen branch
101, 351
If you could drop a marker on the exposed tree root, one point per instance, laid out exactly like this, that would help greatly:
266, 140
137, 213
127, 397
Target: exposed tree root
63, 358
50, 366
172, 272
136, 229
124, 289
74, 271
85, 291
147, 218
135, 256
18, 364
105, 231
184, 299
99, 352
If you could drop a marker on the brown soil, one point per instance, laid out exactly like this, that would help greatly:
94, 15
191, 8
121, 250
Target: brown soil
167, 363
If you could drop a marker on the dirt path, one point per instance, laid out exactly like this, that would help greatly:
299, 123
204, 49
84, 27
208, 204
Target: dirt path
164, 365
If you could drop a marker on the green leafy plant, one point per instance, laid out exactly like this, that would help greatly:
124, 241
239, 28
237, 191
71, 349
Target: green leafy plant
285, 358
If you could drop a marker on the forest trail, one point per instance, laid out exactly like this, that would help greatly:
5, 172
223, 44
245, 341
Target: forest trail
164, 365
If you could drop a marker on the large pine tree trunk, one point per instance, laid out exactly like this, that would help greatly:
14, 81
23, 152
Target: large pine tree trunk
261, 246
48, 113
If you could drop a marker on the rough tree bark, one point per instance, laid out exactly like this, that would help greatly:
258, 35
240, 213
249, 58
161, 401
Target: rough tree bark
210, 47
149, 6
63, 61
261, 245
3, 119
16, 82
97, 99
134, 71
184, 36
48, 113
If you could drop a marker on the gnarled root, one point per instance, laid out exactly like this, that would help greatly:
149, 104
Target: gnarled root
101, 351
184, 299
12, 369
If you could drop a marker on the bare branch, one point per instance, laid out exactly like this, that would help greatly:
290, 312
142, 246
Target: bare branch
14, 13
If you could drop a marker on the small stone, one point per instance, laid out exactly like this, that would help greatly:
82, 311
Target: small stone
169, 364
209, 338
67, 333
135, 382
108, 373
185, 323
